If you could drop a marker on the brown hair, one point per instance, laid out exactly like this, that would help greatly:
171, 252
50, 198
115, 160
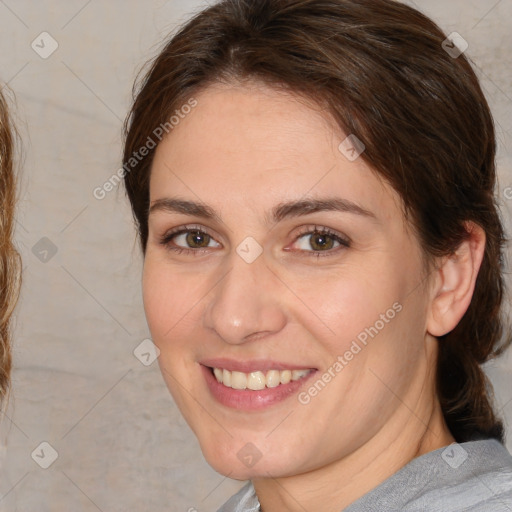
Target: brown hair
380, 69
9, 258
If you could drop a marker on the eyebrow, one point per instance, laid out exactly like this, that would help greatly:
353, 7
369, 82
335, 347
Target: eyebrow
278, 213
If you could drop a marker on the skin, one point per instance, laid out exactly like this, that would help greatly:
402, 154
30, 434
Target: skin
243, 150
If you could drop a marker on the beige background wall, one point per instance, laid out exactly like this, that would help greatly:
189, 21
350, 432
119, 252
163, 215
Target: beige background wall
121, 443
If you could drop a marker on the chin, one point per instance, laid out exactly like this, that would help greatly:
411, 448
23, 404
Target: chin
244, 461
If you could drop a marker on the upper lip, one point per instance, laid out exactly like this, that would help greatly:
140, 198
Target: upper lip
252, 366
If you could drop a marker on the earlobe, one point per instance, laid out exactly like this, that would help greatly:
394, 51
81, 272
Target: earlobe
455, 282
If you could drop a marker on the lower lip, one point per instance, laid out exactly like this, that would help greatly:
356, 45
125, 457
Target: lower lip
247, 399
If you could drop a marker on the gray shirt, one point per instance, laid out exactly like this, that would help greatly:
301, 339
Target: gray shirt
475, 476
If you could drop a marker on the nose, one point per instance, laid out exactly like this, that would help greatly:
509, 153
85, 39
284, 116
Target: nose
247, 303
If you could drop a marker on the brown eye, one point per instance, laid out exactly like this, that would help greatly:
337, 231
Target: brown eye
321, 241
188, 239
316, 241
197, 239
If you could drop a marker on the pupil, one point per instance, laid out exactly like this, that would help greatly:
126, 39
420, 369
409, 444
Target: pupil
320, 241
197, 238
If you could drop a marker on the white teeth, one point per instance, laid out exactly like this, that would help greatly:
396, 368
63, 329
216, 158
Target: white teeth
286, 376
238, 380
273, 378
226, 378
257, 380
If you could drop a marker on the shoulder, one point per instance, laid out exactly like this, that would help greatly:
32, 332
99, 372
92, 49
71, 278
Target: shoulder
475, 476
245, 500
479, 477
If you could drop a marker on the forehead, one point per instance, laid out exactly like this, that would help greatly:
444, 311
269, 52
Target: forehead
253, 144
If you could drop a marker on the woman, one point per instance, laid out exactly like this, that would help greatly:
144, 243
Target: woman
312, 182
9, 258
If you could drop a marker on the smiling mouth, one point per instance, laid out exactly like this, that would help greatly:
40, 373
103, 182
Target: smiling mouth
257, 380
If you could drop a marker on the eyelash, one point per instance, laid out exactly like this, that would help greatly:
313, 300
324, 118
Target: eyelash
307, 230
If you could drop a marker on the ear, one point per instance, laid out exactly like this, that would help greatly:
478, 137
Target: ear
454, 283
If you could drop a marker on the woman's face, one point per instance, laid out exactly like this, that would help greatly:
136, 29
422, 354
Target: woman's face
249, 289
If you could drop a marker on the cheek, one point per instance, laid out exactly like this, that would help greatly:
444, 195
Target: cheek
168, 304
337, 306
169, 296
369, 317
157, 298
